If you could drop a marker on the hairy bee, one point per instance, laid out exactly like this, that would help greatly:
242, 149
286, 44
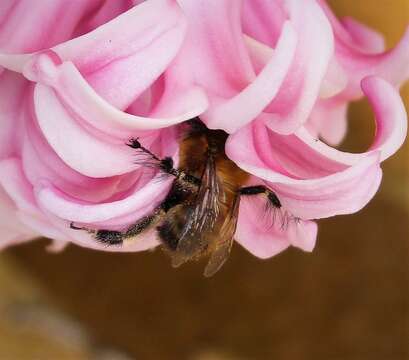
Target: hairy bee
199, 215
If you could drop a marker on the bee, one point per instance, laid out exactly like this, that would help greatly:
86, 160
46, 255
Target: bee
198, 217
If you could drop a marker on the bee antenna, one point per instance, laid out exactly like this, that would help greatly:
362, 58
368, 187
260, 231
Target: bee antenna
134, 143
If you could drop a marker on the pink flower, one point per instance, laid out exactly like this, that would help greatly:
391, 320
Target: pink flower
67, 112
359, 52
272, 74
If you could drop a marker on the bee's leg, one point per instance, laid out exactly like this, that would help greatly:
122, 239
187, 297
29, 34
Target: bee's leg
165, 164
260, 189
117, 238
177, 195
273, 202
143, 224
107, 237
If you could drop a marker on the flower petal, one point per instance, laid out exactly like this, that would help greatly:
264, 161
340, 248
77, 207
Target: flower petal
99, 129
355, 47
354, 33
13, 88
12, 231
263, 20
293, 104
143, 199
39, 162
92, 156
122, 58
236, 112
368, 39
312, 179
328, 120
22, 32
14, 183
390, 113
217, 53
32, 222
335, 80
75, 93
265, 235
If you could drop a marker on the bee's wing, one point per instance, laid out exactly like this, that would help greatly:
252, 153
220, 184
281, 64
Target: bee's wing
202, 216
225, 240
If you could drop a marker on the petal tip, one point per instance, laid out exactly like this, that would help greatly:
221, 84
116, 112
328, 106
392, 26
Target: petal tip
42, 66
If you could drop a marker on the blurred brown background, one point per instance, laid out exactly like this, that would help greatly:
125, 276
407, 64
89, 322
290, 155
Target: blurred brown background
347, 300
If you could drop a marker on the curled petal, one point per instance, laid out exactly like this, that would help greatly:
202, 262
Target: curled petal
353, 33
366, 38
303, 234
143, 199
312, 179
57, 246
393, 66
99, 129
335, 80
335, 191
360, 52
390, 121
16, 186
14, 183
328, 120
41, 226
39, 162
117, 214
75, 93
92, 156
217, 53
60, 230
295, 70
104, 11
266, 236
13, 89
263, 20
247, 104
390, 113
12, 231
293, 104
122, 58
337, 194
21, 31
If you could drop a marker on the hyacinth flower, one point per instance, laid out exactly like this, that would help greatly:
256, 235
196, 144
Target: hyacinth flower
275, 76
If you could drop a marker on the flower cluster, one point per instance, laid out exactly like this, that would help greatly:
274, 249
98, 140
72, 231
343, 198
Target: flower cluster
79, 78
